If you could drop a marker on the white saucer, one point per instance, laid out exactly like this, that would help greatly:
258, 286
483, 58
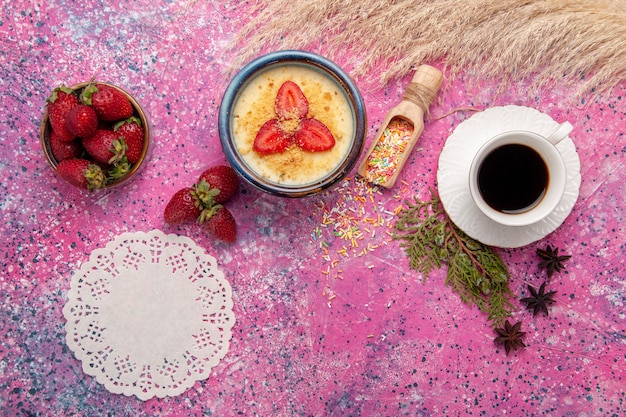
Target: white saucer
453, 174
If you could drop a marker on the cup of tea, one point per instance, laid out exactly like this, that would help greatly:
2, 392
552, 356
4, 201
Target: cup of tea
518, 178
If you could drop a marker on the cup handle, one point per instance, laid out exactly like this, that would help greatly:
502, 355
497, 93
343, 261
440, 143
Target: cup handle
560, 133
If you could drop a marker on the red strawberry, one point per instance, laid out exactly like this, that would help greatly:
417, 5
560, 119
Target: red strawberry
271, 138
222, 178
82, 173
81, 121
60, 102
313, 136
134, 135
291, 102
109, 103
62, 150
105, 146
221, 224
183, 207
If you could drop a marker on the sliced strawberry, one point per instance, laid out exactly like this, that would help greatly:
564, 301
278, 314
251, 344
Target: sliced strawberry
221, 224
61, 149
291, 102
313, 136
183, 207
82, 173
222, 178
271, 138
134, 136
81, 121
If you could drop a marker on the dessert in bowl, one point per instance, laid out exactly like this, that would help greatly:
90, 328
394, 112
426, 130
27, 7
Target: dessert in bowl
292, 123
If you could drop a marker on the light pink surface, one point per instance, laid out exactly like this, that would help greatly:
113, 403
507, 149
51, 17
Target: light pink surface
360, 336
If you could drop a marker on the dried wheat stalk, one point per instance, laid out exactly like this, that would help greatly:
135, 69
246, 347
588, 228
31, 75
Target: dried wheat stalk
579, 42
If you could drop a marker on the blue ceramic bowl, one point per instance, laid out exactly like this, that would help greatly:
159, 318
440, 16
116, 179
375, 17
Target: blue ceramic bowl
286, 60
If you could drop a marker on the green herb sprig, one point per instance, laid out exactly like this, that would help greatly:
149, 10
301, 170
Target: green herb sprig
475, 271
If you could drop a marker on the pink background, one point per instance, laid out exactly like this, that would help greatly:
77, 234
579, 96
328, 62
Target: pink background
360, 336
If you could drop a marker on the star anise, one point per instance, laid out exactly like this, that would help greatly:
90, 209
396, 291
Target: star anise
510, 336
551, 260
539, 300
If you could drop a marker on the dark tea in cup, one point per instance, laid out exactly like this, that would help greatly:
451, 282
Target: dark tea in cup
513, 178
518, 177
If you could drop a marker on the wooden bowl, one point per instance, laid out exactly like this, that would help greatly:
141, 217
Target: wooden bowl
44, 135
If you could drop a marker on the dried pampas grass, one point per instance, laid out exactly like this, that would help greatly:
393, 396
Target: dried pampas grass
580, 42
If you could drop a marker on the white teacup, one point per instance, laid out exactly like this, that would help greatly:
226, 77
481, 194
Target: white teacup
518, 178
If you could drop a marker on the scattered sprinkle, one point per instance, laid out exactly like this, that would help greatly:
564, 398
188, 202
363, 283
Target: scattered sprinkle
351, 226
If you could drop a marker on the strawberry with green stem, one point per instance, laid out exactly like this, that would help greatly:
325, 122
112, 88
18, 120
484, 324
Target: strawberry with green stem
134, 135
82, 173
183, 207
105, 146
191, 204
222, 182
203, 203
221, 224
109, 103
61, 101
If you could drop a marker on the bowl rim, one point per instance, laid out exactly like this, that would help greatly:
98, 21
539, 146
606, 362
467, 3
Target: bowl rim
45, 127
265, 62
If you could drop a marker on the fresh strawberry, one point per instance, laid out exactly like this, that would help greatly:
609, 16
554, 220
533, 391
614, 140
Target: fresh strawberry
271, 138
313, 136
105, 146
221, 224
62, 150
63, 134
183, 207
60, 102
109, 103
82, 173
291, 102
133, 134
222, 178
82, 121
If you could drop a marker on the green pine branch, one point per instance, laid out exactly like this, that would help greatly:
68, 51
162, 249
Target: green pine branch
475, 271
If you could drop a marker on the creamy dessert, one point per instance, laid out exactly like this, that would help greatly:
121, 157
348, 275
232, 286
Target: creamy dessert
327, 103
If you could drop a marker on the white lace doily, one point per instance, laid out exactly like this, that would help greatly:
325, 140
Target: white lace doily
149, 314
